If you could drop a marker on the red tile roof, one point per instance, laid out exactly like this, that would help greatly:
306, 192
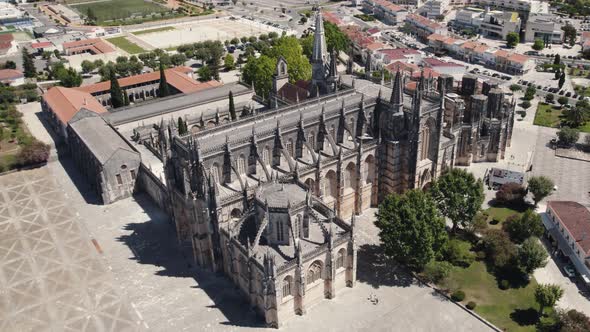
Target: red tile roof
66, 102
176, 77
293, 92
399, 53
10, 74
41, 44
423, 21
402, 66
6, 41
434, 62
576, 219
95, 45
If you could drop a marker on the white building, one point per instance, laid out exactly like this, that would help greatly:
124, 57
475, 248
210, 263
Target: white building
386, 11
493, 24
524, 6
434, 8
568, 225
545, 27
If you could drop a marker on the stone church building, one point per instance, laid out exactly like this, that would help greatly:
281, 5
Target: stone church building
270, 198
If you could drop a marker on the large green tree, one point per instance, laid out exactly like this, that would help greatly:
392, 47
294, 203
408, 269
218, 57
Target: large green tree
568, 136
298, 65
531, 255
258, 72
410, 228
163, 87
459, 196
28, 64
498, 248
540, 187
547, 295
232, 106
335, 38
522, 227
512, 39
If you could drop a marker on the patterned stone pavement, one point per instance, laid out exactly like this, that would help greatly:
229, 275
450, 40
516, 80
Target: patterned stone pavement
51, 276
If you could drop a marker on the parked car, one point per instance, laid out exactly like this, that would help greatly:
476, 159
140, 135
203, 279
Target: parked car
569, 271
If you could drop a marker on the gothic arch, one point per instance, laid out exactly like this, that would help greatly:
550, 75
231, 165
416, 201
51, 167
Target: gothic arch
215, 173
331, 185
428, 139
350, 176
236, 213
341, 259
369, 169
315, 272
288, 286
425, 179
310, 183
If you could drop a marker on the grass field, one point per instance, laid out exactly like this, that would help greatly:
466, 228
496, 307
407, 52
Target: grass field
500, 214
511, 310
127, 46
143, 32
110, 10
547, 116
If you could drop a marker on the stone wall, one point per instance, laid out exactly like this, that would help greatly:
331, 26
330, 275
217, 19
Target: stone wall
150, 184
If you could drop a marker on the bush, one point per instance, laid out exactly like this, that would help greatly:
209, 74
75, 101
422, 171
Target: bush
457, 253
499, 250
494, 221
522, 227
34, 153
458, 296
510, 193
480, 255
471, 305
504, 284
436, 271
568, 136
525, 104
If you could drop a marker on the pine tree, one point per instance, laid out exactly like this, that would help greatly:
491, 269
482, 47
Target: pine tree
117, 99
125, 98
557, 60
182, 127
28, 64
232, 107
164, 89
561, 80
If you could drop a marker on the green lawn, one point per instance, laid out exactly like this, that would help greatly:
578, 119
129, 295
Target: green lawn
110, 10
548, 116
143, 32
500, 213
127, 46
580, 90
510, 310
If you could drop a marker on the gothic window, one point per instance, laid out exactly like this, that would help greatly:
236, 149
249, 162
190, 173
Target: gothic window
425, 142
290, 147
266, 155
305, 227
351, 126
311, 140
315, 272
350, 176
340, 258
369, 169
215, 173
287, 283
132, 174
241, 164
280, 234
298, 230
119, 179
330, 185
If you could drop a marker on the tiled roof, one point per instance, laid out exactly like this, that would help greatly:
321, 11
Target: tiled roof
427, 72
375, 46
434, 62
41, 44
402, 66
10, 74
293, 92
423, 21
6, 41
176, 77
576, 218
388, 5
332, 18
96, 45
399, 53
66, 102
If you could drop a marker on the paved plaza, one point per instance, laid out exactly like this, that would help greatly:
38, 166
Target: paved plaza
170, 293
51, 276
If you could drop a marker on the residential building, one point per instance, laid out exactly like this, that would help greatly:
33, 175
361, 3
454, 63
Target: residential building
386, 11
521, 6
423, 27
444, 67
64, 12
568, 226
513, 63
90, 46
546, 27
434, 9
492, 24
12, 77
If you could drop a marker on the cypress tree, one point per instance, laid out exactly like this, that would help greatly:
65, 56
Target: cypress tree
125, 98
232, 107
182, 127
28, 64
164, 90
561, 80
117, 99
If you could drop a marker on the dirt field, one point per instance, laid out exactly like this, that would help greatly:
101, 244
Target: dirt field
215, 29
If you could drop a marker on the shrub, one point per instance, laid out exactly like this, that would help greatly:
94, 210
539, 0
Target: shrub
510, 193
522, 227
458, 296
525, 104
494, 221
457, 253
34, 153
480, 255
471, 305
568, 136
498, 248
504, 284
436, 271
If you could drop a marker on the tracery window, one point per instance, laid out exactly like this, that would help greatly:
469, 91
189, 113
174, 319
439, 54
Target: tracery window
242, 164
287, 282
340, 258
315, 272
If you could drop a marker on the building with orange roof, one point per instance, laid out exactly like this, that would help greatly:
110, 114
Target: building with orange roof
386, 11
92, 46
424, 27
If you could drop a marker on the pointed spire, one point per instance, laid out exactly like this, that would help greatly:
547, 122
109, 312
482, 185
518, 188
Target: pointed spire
397, 92
320, 49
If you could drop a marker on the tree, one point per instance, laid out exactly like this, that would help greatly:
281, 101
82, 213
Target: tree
547, 295
557, 73
563, 100
531, 255
569, 34
273, 35
549, 98
336, 40
573, 321
9, 65
510, 193
232, 107
561, 80
557, 59
530, 93
576, 116
457, 253
70, 78
498, 248
525, 104
98, 63
229, 62
299, 67
182, 127
512, 39
205, 74
90, 16
258, 72
87, 66
522, 227
410, 228
303, 20
538, 45
458, 195
28, 64
540, 187
117, 99
515, 87
33, 153
178, 59
568, 136
163, 88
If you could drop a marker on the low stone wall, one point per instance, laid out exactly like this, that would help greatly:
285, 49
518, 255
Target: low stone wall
147, 182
